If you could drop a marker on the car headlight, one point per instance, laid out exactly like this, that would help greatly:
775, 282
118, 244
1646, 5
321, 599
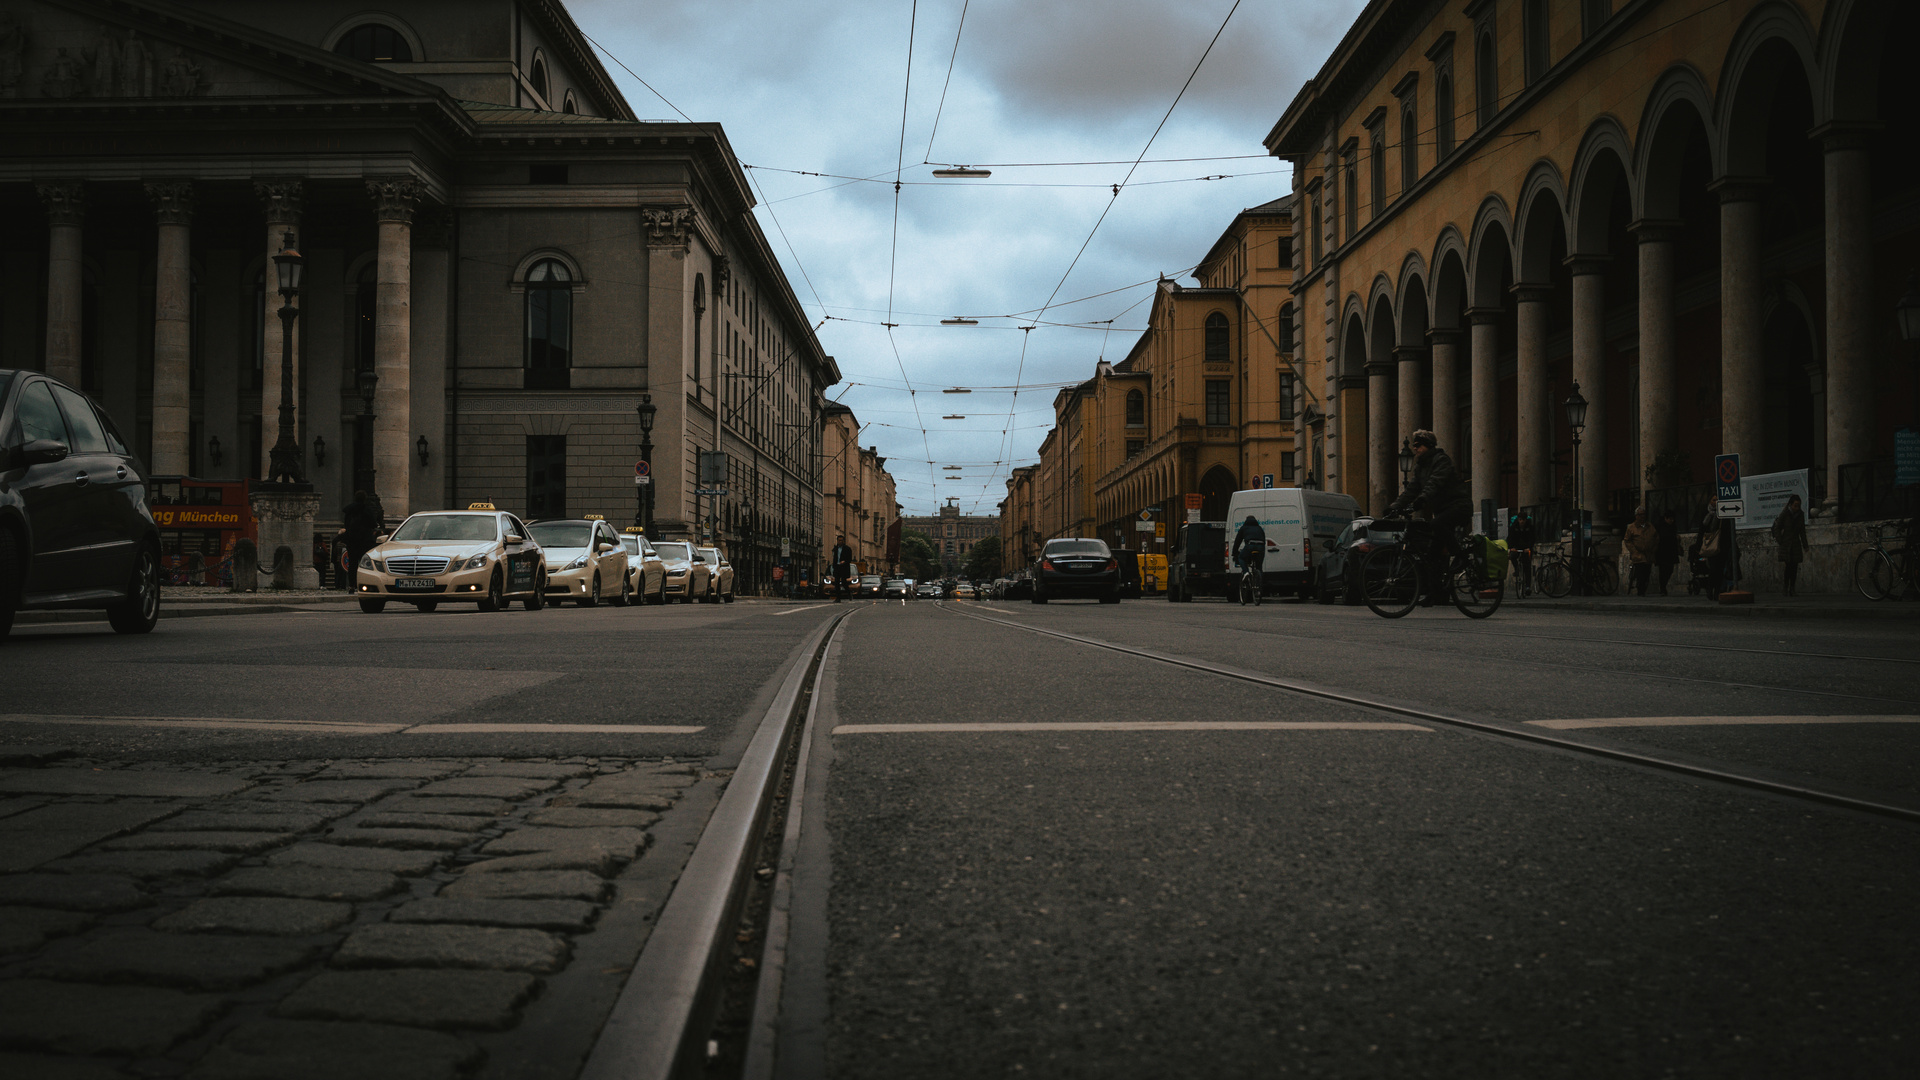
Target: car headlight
368, 562
478, 562
578, 563
680, 571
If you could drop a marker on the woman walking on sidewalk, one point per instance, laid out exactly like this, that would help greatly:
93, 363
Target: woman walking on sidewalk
1640, 542
1790, 533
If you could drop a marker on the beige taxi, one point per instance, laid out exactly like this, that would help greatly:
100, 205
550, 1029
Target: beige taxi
586, 561
649, 574
479, 555
721, 573
688, 576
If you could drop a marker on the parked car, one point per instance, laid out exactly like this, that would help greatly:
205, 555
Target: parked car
75, 531
687, 574
644, 568
1129, 572
1018, 588
1076, 566
585, 560
1340, 559
1296, 521
1198, 565
480, 554
721, 572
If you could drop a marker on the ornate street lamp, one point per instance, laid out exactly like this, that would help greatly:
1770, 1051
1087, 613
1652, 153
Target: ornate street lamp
284, 465
214, 453
1406, 459
643, 513
420, 448
319, 449
1577, 421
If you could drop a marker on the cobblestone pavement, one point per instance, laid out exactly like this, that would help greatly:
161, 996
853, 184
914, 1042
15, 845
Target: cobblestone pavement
403, 917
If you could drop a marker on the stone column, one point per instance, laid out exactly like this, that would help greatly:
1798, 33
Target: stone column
678, 434
1486, 405
172, 325
66, 205
282, 201
1382, 442
1659, 431
1535, 484
1446, 387
1590, 372
1742, 320
394, 199
1411, 359
1850, 311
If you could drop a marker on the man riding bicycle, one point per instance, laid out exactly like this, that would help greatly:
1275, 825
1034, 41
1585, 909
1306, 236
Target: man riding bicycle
1250, 547
1436, 487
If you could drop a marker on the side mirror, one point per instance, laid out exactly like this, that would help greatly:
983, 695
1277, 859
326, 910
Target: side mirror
382, 538
41, 452
605, 546
516, 538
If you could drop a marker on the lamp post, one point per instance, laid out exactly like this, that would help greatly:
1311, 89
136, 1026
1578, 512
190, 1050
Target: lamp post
1576, 421
284, 466
643, 511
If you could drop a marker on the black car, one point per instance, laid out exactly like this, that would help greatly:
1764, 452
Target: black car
75, 531
1020, 588
1076, 567
1340, 559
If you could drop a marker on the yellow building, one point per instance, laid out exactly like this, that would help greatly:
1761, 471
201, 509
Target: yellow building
857, 495
1700, 211
1020, 536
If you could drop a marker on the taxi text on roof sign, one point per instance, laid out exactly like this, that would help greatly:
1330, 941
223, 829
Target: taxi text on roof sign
635, 530
480, 506
593, 517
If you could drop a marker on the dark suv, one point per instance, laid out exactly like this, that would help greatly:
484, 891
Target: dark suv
75, 531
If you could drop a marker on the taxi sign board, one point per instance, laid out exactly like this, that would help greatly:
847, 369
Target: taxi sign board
480, 506
593, 517
1726, 476
634, 530
1731, 508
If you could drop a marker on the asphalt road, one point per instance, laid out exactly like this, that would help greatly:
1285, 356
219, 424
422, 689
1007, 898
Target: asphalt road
1407, 900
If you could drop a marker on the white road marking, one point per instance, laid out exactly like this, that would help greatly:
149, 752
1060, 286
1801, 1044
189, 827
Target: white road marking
1714, 721
345, 727
1133, 725
791, 610
552, 729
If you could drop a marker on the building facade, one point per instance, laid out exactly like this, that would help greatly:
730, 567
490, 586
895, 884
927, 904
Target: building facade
953, 534
500, 260
1703, 213
858, 495
1020, 536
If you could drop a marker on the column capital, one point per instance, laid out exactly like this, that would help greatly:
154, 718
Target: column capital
1846, 135
1409, 354
65, 201
1655, 230
1379, 369
1584, 265
172, 201
1444, 335
393, 198
1739, 189
722, 273
283, 198
668, 226
1485, 316
1531, 292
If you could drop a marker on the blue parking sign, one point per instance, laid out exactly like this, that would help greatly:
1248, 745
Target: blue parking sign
1266, 480
1726, 476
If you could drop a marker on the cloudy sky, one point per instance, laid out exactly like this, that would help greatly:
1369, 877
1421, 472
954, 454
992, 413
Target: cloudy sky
819, 88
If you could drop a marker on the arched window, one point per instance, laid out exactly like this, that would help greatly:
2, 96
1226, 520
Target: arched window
1538, 43
1443, 113
1486, 79
537, 75
569, 106
1217, 339
549, 325
1136, 409
373, 42
1378, 168
1409, 144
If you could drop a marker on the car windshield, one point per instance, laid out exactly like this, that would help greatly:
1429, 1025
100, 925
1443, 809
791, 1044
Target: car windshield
671, 552
1077, 547
467, 527
561, 534
631, 543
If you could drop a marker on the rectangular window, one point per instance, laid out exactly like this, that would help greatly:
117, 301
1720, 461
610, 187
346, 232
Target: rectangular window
1286, 395
546, 476
1286, 465
1219, 402
1536, 32
1409, 144
1377, 168
1134, 446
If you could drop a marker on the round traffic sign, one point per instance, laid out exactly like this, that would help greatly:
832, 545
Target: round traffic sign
1729, 471
641, 468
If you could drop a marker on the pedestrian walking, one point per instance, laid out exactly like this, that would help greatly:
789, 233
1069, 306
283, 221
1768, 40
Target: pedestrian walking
1790, 534
1666, 550
361, 527
1641, 542
1716, 545
1520, 540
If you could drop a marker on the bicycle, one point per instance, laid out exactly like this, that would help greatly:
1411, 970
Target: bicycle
1554, 573
1250, 584
1878, 570
1397, 577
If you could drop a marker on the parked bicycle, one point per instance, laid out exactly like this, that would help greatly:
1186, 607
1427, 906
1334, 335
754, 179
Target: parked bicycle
1880, 571
1397, 577
1554, 573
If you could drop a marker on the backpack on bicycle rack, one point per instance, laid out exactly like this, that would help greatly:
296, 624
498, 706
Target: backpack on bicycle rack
1490, 558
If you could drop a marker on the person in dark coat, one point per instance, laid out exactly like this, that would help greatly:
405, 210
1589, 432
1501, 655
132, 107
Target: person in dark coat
1666, 548
1437, 488
1521, 537
1716, 546
1790, 535
361, 528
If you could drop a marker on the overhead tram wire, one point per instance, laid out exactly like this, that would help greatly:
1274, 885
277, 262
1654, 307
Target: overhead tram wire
1021, 371
636, 76
893, 254
953, 56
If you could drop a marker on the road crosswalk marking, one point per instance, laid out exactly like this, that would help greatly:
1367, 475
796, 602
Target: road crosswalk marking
1713, 721
1131, 725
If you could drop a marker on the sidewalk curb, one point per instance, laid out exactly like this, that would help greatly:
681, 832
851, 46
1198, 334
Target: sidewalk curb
1759, 609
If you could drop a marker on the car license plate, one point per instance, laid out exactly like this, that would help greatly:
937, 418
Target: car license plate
413, 583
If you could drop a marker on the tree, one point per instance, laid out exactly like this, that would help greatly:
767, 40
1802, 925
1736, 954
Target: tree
983, 562
918, 560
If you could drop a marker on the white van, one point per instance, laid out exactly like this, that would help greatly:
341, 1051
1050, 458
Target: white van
1296, 523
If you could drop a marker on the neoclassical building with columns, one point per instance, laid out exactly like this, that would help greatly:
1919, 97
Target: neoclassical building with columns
1703, 212
496, 247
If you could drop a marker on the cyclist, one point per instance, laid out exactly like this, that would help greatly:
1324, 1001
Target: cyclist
842, 568
1250, 546
1436, 488
1520, 541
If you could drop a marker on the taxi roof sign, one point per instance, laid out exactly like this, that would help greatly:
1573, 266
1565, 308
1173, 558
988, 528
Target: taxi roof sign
634, 530
481, 506
593, 517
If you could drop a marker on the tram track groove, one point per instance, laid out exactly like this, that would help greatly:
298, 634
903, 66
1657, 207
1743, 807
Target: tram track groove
1498, 730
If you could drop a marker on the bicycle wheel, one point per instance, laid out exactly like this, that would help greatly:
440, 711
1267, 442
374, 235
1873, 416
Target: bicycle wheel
1390, 580
1552, 578
1475, 596
1603, 578
1873, 574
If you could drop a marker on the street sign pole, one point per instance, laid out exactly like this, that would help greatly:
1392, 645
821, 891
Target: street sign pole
1727, 490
